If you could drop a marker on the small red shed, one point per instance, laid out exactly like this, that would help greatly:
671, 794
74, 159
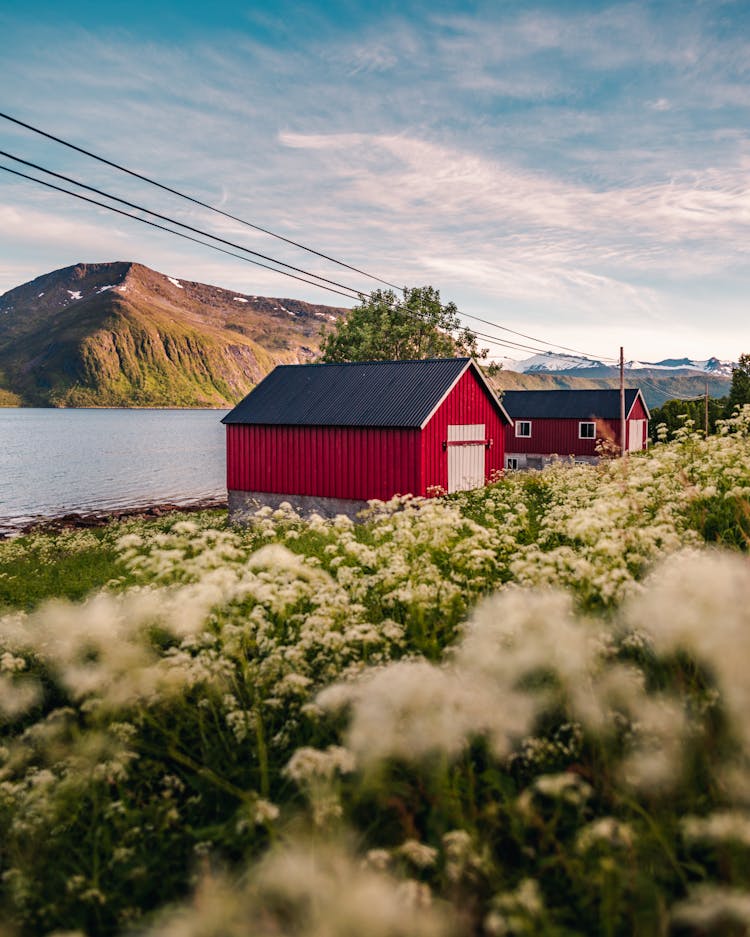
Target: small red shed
547, 423
331, 437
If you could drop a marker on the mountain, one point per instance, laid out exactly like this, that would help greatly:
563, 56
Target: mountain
548, 363
121, 334
659, 381
553, 362
710, 366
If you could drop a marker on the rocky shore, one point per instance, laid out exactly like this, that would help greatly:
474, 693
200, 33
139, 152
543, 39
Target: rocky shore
90, 519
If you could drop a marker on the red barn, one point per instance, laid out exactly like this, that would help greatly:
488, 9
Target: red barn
330, 437
547, 423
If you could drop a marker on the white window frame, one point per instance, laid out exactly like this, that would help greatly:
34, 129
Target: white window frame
519, 424
586, 423
511, 462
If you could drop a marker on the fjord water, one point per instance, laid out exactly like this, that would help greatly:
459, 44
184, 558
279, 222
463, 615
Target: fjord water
57, 461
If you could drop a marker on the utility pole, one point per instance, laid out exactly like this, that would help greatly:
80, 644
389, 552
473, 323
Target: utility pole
705, 411
622, 404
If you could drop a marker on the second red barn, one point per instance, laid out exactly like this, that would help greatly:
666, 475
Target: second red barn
580, 424
331, 437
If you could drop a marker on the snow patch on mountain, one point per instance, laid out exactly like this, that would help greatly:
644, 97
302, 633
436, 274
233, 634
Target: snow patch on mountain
709, 366
549, 361
555, 362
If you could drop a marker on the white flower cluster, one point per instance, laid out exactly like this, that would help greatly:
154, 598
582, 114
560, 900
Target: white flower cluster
312, 892
411, 709
296, 664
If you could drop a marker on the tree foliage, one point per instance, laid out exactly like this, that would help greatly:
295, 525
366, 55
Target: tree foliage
674, 413
740, 392
386, 327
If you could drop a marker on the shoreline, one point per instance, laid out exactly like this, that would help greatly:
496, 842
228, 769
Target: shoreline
87, 520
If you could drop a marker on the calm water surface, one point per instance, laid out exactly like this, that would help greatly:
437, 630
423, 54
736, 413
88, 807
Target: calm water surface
56, 461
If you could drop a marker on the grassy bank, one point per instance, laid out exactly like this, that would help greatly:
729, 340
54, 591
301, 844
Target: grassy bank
520, 710
69, 564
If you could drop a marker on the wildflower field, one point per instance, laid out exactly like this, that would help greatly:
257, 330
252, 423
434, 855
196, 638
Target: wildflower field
519, 710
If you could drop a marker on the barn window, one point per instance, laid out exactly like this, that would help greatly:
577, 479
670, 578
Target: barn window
587, 430
511, 462
523, 428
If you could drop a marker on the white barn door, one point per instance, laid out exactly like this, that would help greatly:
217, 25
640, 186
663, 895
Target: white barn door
465, 457
637, 435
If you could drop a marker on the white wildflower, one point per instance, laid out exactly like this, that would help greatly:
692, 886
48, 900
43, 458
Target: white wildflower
378, 859
567, 787
265, 811
419, 854
516, 912
320, 892
605, 831
698, 602
726, 826
310, 763
712, 909
17, 696
9, 663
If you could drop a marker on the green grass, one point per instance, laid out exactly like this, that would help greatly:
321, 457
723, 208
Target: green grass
72, 563
39, 567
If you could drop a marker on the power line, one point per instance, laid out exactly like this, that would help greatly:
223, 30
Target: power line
153, 224
222, 250
667, 394
351, 293
249, 224
652, 386
513, 346
577, 352
187, 237
502, 342
156, 214
190, 198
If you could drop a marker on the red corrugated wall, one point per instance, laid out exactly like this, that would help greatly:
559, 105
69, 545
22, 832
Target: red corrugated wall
329, 462
560, 437
468, 402
638, 411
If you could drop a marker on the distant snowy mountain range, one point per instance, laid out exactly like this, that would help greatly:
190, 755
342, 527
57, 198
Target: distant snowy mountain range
551, 363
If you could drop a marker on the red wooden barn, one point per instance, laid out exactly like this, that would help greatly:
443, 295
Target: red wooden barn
330, 437
547, 423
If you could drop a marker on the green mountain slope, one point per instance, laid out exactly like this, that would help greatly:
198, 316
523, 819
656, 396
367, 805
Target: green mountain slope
121, 334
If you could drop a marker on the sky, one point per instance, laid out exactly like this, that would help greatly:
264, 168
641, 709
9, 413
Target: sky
578, 172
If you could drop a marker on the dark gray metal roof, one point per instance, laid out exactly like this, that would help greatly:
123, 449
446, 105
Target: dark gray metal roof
371, 393
567, 404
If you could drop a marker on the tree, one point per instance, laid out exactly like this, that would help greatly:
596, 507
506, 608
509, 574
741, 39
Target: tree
740, 392
385, 327
673, 414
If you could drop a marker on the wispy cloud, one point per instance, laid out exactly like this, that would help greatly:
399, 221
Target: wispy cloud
445, 187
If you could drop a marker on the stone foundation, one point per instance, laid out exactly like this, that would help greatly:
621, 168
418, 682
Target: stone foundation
243, 504
525, 461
